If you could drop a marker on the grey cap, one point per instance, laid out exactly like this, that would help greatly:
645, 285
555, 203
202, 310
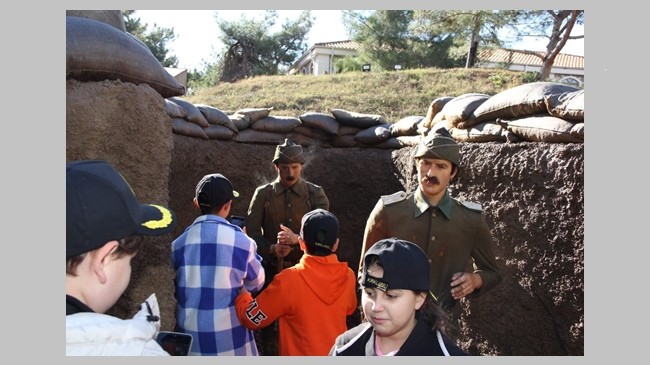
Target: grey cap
288, 152
439, 144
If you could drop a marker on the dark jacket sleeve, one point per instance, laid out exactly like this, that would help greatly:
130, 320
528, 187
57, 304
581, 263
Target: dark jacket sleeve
255, 221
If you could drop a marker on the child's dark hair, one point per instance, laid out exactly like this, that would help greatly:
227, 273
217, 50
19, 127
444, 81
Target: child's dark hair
127, 246
433, 314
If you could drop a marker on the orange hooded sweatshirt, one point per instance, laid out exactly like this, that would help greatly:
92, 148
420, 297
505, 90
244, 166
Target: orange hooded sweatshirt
311, 302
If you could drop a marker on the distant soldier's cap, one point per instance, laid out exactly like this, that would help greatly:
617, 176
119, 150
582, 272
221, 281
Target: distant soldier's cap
441, 145
288, 152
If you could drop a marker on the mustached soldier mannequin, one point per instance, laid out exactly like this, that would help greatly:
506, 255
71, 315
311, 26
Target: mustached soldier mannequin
452, 232
274, 217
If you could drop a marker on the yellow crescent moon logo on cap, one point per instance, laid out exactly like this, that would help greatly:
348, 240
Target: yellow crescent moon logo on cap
162, 222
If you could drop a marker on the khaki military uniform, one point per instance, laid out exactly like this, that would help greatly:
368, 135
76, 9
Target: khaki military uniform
274, 204
452, 234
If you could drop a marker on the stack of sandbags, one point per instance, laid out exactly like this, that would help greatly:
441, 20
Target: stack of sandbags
97, 51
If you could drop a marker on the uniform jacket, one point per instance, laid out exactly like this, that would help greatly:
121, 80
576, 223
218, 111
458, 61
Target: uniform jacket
311, 302
91, 334
274, 204
449, 233
360, 341
212, 260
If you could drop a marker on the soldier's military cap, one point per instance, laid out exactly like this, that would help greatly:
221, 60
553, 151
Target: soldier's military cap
288, 152
439, 144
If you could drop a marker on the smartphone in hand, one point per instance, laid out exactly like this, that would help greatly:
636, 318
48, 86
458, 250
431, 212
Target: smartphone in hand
175, 343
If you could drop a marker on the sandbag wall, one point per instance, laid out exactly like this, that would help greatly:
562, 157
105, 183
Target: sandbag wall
537, 112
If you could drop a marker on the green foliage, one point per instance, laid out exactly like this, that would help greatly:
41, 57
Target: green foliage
250, 50
156, 39
393, 94
388, 38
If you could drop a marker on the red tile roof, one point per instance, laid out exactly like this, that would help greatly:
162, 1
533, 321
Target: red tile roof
511, 56
347, 44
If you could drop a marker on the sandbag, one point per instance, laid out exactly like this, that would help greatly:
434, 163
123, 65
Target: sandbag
183, 127
407, 126
110, 17
345, 140
279, 124
307, 141
255, 114
435, 107
312, 133
355, 119
215, 131
391, 143
252, 136
578, 131
194, 115
483, 132
568, 106
216, 116
373, 135
409, 141
348, 130
174, 110
460, 108
321, 121
542, 128
96, 51
519, 101
241, 121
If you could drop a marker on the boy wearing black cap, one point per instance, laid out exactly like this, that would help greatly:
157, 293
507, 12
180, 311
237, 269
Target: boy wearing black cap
310, 300
451, 232
401, 317
213, 259
275, 213
104, 224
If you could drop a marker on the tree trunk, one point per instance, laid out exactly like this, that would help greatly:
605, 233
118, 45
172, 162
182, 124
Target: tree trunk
559, 36
473, 48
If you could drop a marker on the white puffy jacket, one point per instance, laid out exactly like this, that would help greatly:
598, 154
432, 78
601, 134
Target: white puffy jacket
89, 334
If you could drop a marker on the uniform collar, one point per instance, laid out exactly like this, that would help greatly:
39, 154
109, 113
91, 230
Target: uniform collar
422, 204
298, 188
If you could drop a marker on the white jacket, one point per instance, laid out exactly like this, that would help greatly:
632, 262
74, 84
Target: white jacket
88, 334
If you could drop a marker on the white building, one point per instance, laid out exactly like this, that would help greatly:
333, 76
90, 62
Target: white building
570, 69
321, 57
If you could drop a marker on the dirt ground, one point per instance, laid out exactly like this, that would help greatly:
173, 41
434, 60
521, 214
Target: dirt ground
532, 195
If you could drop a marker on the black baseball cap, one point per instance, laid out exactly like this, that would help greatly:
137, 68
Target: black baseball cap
102, 207
405, 265
214, 190
319, 229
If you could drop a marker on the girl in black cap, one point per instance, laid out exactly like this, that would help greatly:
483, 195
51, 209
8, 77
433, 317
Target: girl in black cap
401, 317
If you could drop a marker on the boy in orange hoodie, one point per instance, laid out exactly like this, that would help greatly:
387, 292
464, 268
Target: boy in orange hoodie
310, 300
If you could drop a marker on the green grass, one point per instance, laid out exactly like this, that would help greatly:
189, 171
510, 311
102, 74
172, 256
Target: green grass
393, 94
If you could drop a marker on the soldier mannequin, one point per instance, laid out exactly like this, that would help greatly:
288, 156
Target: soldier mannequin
275, 213
454, 234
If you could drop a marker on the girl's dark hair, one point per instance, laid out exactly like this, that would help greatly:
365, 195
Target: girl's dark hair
433, 314
127, 246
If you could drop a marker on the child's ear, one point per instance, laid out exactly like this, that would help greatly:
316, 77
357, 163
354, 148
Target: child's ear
100, 257
419, 300
336, 246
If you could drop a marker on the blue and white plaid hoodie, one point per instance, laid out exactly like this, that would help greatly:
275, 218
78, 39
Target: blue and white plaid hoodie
213, 259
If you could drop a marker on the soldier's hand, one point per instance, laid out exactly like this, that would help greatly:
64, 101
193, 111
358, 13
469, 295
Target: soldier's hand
286, 236
464, 284
280, 250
